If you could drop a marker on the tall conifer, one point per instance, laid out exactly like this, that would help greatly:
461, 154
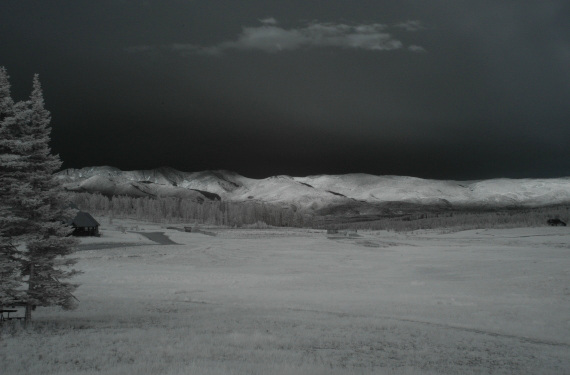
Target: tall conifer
45, 263
10, 278
33, 207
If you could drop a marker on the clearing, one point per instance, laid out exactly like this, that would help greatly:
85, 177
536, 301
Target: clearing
292, 301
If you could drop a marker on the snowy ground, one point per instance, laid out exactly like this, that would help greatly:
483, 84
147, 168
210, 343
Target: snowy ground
296, 302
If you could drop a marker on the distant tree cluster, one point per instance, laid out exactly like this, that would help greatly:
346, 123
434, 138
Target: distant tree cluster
466, 219
167, 209
34, 240
238, 214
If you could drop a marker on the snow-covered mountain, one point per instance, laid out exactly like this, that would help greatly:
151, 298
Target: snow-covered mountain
504, 192
315, 192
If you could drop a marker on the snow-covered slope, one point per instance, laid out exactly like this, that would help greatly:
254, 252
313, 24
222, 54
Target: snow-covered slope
218, 182
316, 191
416, 190
528, 191
280, 189
121, 185
387, 188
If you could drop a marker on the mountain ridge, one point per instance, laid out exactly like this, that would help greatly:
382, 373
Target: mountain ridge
317, 191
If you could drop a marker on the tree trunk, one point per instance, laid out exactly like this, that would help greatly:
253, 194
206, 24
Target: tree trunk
28, 315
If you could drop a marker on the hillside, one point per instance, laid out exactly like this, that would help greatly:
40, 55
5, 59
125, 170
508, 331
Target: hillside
317, 192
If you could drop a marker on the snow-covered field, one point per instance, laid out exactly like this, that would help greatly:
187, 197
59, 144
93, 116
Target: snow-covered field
293, 301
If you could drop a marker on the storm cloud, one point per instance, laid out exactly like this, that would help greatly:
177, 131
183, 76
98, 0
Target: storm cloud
438, 89
271, 38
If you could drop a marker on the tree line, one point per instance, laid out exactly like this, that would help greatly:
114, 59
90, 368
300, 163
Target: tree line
171, 210
261, 215
467, 219
34, 239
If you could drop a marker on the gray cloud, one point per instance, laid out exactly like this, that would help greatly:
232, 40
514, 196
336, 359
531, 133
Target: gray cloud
415, 48
272, 38
411, 25
269, 21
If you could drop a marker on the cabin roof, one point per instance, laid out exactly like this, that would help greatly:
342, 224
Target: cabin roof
83, 219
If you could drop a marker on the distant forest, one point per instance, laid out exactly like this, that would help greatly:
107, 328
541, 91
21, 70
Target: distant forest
177, 210
467, 218
262, 215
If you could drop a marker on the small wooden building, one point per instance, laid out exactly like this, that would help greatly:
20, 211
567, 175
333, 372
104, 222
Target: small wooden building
556, 223
84, 225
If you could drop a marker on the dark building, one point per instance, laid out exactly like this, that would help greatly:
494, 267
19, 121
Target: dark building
84, 225
556, 223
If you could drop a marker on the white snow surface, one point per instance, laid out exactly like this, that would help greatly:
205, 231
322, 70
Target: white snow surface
286, 301
323, 189
281, 189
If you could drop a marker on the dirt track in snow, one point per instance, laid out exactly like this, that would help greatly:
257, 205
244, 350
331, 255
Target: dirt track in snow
158, 237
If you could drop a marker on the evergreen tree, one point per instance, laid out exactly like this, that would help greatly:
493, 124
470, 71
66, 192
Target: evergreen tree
10, 280
6, 102
45, 263
33, 207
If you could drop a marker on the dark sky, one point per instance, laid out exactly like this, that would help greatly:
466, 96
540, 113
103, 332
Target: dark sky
436, 89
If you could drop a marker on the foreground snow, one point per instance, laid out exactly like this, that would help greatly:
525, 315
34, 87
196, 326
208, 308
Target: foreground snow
294, 301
